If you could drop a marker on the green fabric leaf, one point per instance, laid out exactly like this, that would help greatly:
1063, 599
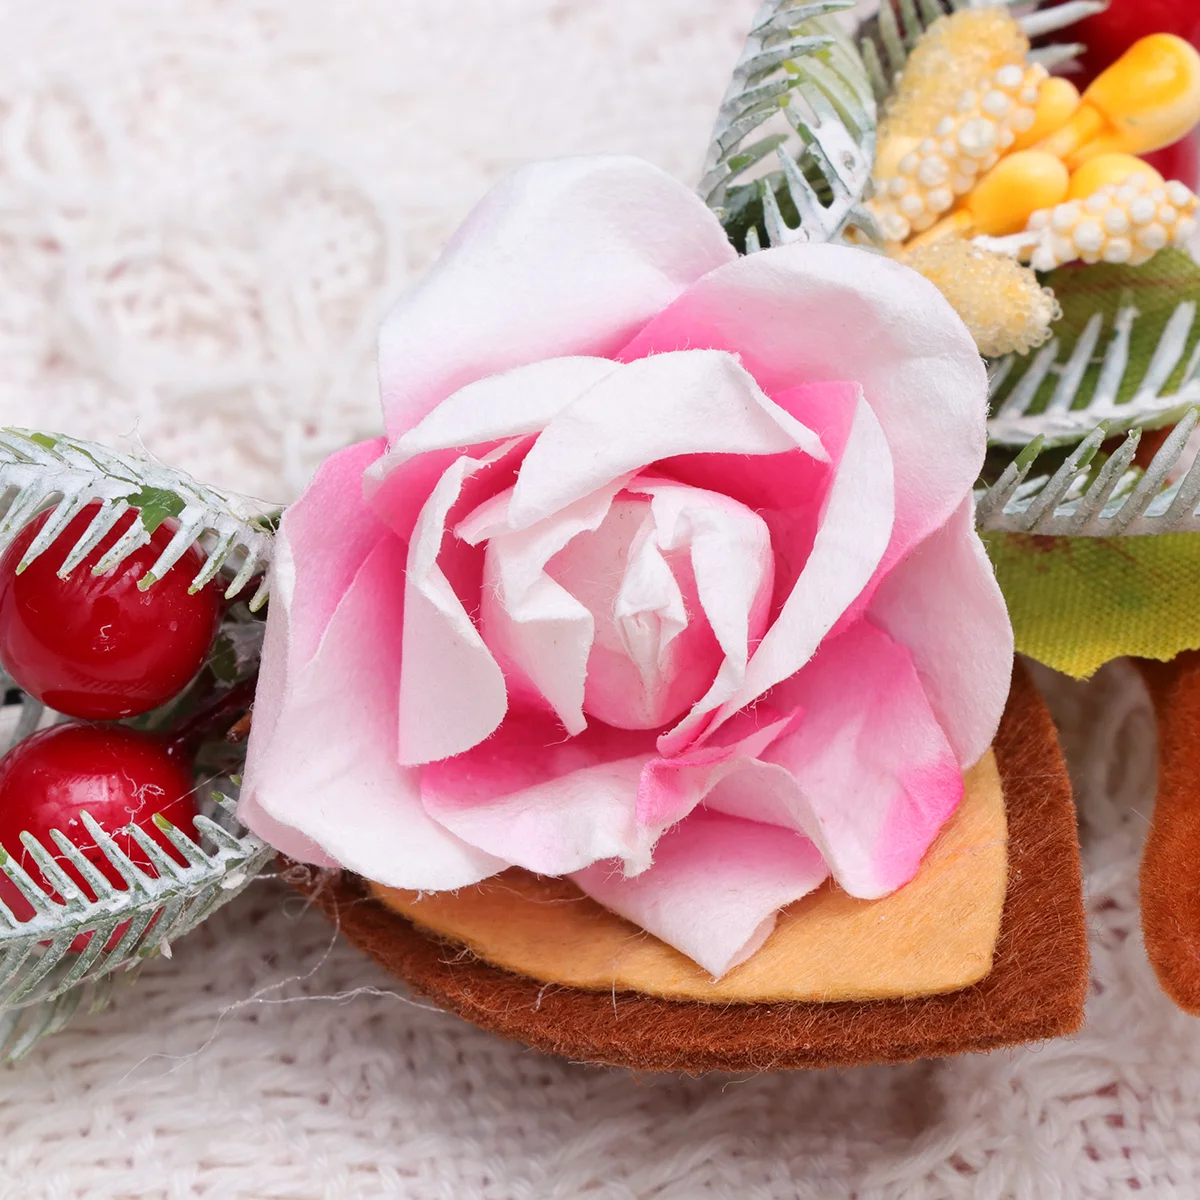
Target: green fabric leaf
1154, 289
1077, 603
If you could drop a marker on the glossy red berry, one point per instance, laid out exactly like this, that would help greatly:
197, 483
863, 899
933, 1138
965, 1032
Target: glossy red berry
117, 775
1179, 161
95, 646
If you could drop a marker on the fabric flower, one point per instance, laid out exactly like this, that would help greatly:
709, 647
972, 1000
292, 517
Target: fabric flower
665, 577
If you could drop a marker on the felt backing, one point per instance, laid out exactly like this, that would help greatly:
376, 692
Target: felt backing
936, 934
1170, 878
1035, 990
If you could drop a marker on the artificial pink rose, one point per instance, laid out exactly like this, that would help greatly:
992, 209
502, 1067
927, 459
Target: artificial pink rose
665, 577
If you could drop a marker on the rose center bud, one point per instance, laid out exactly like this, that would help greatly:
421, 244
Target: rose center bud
654, 652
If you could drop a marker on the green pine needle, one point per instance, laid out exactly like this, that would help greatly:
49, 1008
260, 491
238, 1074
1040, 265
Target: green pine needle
40, 471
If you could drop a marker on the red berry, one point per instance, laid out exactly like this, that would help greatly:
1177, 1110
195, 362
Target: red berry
118, 775
1109, 34
95, 646
1179, 161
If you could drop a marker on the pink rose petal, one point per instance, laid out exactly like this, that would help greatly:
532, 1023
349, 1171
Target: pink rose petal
670, 788
480, 415
728, 572
566, 257
452, 692
867, 772
846, 551
282, 837
523, 400
309, 577
788, 490
539, 800
312, 571
686, 403
541, 633
329, 769
554, 805
715, 888
810, 312
944, 604
653, 653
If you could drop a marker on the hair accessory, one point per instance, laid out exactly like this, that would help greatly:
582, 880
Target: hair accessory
646, 691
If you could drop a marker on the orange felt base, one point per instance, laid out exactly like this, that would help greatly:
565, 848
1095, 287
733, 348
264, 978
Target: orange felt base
1035, 989
937, 934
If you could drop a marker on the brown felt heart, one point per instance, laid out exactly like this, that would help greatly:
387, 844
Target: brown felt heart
1170, 876
1034, 990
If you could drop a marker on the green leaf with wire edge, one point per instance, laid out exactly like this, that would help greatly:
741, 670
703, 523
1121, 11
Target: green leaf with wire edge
1097, 488
155, 505
42, 471
1077, 603
1125, 354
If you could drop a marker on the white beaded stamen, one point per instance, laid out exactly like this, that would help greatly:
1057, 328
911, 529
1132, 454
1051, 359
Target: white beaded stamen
1125, 222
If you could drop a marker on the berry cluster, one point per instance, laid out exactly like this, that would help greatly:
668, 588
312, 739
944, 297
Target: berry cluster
97, 648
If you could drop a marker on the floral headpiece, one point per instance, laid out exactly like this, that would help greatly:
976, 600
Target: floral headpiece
659, 656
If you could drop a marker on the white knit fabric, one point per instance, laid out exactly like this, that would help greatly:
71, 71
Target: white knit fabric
205, 206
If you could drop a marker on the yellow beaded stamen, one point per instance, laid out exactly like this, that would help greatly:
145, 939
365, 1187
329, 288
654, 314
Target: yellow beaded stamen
927, 179
1126, 222
999, 301
953, 54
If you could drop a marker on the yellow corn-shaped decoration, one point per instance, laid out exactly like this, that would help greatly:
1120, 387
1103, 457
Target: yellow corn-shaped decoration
1105, 169
925, 180
952, 55
1005, 198
1057, 102
1125, 222
999, 301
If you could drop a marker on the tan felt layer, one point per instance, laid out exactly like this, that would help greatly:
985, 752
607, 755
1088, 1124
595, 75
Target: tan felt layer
935, 935
1035, 989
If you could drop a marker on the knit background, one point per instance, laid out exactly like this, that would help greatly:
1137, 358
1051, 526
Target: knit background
205, 207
